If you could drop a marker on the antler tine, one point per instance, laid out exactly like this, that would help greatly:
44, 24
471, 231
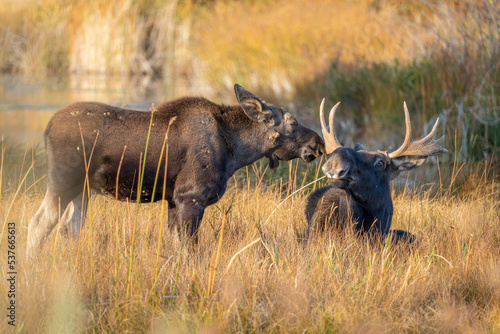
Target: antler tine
322, 117
331, 141
431, 134
423, 147
407, 140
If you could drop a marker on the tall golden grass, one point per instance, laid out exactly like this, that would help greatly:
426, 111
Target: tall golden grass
337, 282
253, 269
112, 37
280, 44
275, 44
443, 58
453, 75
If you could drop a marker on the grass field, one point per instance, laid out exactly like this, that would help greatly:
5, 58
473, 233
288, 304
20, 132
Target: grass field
442, 58
254, 270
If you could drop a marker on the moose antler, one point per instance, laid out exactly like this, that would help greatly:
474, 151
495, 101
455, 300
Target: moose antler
423, 147
331, 141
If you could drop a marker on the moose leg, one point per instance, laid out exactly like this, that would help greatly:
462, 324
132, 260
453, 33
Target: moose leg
44, 220
190, 214
173, 219
172, 215
73, 218
403, 236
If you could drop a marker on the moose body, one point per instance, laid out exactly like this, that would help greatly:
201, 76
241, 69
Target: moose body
360, 191
206, 144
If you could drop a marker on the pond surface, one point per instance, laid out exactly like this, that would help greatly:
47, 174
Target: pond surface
27, 103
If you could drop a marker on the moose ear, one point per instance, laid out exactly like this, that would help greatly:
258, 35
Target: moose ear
359, 147
253, 106
405, 163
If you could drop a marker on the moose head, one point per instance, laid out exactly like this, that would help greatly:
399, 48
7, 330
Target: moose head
360, 178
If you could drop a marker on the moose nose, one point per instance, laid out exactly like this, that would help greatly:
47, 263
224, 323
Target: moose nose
316, 146
312, 151
308, 157
337, 172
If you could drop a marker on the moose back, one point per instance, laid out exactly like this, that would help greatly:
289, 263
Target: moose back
104, 147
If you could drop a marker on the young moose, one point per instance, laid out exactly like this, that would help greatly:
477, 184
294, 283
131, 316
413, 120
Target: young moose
360, 181
104, 147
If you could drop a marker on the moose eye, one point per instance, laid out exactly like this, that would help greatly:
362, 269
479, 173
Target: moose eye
380, 164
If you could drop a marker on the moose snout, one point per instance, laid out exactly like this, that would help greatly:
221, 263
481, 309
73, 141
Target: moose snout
308, 156
312, 152
314, 149
336, 169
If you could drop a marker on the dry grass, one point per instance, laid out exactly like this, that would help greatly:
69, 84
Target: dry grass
337, 282
112, 37
279, 44
443, 58
448, 283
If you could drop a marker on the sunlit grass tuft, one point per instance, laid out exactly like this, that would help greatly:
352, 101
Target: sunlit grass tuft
337, 281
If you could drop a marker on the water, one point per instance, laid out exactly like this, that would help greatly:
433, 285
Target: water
27, 103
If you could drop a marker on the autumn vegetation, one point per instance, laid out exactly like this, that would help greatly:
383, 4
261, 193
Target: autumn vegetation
255, 269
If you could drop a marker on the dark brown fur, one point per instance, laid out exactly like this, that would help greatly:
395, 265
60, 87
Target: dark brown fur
206, 143
360, 192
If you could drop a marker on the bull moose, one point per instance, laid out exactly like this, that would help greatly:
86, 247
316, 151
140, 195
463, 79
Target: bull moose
104, 147
360, 181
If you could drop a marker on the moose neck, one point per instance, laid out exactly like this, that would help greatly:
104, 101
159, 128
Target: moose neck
245, 138
378, 210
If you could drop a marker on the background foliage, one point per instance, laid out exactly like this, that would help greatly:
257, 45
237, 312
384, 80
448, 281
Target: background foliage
441, 57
